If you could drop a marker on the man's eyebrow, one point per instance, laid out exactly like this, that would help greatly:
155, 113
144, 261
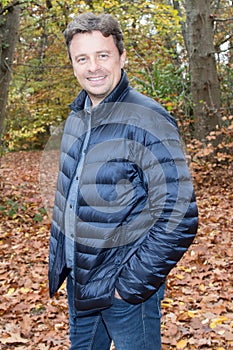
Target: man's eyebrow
98, 52
79, 55
108, 51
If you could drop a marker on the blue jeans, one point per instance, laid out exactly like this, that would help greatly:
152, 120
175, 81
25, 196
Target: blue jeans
131, 327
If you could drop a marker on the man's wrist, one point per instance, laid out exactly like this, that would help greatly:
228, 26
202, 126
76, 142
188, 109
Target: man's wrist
117, 295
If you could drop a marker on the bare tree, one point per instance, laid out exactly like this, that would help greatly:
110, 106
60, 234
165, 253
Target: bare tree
9, 25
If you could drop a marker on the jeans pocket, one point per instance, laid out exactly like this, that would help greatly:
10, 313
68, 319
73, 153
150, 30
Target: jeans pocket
159, 295
161, 291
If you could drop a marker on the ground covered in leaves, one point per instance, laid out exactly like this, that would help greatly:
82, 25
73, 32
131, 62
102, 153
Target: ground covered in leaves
198, 306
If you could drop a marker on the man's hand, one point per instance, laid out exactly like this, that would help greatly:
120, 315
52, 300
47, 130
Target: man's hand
117, 295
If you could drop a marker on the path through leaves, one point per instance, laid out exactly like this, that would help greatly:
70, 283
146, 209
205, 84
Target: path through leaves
198, 306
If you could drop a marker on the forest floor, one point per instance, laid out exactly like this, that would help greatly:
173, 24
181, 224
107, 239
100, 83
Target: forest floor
198, 305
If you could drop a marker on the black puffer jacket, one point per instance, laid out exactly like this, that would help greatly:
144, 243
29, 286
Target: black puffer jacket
136, 213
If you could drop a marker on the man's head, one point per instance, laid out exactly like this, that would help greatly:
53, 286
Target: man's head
89, 22
96, 50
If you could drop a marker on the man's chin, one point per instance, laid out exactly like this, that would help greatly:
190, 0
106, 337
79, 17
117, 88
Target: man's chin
97, 97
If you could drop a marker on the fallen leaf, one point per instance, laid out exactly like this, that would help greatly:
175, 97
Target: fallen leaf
218, 321
181, 344
14, 338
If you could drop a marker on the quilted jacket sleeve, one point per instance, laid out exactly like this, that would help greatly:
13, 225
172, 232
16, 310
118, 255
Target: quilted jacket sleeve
175, 220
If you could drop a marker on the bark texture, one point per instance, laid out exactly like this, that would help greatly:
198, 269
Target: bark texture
204, 80
9, 25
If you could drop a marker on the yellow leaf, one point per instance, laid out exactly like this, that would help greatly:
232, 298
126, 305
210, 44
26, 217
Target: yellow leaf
167, 302
63, 286
185, 269
220, 348
10, 291
181, 344
217, 321
180, 277
202, 287
192, 313
25, 290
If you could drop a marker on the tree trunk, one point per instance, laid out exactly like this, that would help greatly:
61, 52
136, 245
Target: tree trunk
9, 24
231, 46
204, 80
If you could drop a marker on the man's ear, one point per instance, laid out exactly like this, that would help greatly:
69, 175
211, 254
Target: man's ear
123, 58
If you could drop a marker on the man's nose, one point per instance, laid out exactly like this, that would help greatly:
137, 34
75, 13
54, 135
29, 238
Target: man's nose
93, 64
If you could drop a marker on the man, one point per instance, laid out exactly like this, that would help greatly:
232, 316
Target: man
125, 210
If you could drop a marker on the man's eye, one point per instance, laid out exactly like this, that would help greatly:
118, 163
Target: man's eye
103, 56
81, 59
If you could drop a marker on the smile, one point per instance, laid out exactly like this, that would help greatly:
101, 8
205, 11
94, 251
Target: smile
96, 78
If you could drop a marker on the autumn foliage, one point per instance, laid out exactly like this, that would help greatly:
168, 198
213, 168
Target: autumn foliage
198, 305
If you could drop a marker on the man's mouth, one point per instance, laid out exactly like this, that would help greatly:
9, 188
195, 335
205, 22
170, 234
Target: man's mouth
96, 78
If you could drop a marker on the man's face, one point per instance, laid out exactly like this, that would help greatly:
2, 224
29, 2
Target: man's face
97, 64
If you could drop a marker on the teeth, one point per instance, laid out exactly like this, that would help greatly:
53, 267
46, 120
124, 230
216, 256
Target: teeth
98, 78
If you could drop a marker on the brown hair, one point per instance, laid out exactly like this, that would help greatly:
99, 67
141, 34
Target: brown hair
88, 22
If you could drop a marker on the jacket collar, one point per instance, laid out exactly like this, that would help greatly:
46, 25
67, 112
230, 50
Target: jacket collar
115, 96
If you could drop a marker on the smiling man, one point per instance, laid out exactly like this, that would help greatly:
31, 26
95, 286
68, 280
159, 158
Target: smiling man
125, 209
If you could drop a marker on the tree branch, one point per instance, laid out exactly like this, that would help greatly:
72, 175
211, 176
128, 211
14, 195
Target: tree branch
215, 19
10, 6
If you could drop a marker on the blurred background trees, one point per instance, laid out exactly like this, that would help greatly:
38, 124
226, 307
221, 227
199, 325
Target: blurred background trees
178, 52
